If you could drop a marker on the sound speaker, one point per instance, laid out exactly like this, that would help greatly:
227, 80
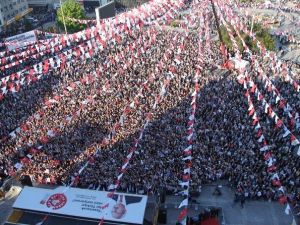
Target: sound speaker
163, 197
26, 181
162, 216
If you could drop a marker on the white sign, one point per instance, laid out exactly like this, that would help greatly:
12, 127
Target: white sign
121, 207
20, 40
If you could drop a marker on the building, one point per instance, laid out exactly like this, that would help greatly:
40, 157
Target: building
11, 10
41, 3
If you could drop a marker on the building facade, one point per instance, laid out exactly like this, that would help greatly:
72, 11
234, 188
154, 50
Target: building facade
41, 3
11, 10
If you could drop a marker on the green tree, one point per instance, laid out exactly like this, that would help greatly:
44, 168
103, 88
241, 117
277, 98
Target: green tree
262, 35
27, 24
70, 9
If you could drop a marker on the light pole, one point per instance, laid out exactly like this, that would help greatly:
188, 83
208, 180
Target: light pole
217, 21
63, 16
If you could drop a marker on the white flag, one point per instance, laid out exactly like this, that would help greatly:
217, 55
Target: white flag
188, 148
187, 183
287, 209
275, 176
295, 142
192, 117
265, 148
286, 132
261, 138
187, 170
187, 158
257, 126
183, 203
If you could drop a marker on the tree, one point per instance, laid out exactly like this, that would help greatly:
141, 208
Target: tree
27, 24
262, 35
70, 9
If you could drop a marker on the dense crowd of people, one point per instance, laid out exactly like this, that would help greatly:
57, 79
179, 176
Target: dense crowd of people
129, 76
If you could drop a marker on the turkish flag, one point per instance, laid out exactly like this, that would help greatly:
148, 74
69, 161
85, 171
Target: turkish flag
276, 183
25, 160
253, 88
44, 140
267, 155
24, 127
33, 151
254, 121
279, 123
282, 199
271, 169
186, 177
182, 214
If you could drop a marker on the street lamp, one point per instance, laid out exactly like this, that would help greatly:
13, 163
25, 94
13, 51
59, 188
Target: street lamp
63, 16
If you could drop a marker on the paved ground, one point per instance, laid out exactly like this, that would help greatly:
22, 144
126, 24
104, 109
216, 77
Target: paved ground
253, 213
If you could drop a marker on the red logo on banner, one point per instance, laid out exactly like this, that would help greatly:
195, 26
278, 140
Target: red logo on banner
56, 201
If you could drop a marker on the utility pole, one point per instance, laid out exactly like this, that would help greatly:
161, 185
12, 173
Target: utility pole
217, 21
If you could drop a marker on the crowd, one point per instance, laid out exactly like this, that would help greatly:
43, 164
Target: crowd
225, 146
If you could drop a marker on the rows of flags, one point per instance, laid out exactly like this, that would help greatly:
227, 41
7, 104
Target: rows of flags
188, 150
251, 88
89, 79
173, 70
276, 65
107, 32
265, 148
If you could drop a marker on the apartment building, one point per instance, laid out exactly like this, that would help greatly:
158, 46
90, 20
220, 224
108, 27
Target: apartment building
11, 10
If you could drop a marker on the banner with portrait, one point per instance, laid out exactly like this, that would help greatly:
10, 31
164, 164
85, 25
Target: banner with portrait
119, 207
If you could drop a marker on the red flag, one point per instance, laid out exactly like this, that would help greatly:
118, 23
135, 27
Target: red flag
44, 140
46, 66
269, 88
253, 88
33, 151
247, 94
271, 168
282, 199
186, 177
267, 155
182, 214
276, 183
254, 121
24, 127
282, 104
25, 160
270, 111
279, 123
293, 138
296, 85
251, 112
259, 133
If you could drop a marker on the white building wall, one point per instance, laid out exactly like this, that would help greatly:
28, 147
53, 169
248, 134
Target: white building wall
11, 9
